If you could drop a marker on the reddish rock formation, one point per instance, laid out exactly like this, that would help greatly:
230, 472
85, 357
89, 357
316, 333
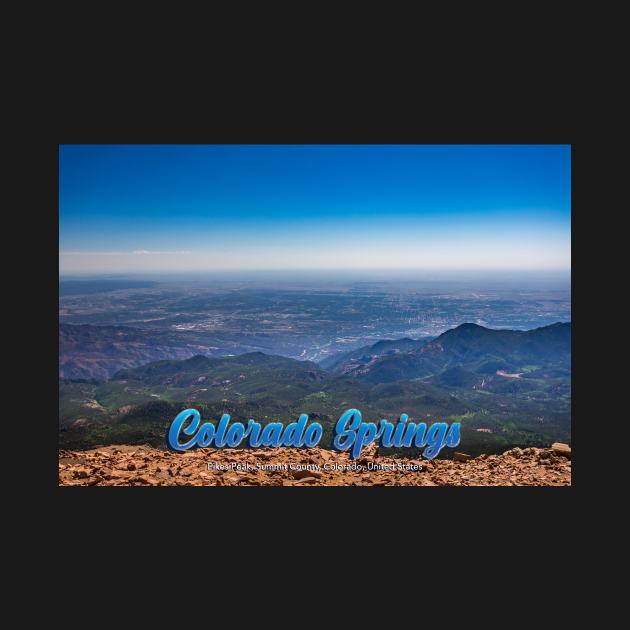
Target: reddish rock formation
146, 466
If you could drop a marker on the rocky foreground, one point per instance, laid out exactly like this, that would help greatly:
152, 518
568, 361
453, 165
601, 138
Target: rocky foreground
146, 466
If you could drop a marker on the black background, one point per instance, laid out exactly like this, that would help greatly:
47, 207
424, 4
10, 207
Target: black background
296, 539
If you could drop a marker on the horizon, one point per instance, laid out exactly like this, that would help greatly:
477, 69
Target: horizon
354, 209
434, 279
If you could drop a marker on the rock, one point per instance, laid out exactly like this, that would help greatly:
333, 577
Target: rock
147, 480
307, 480
561, 449
302, 474
178, 469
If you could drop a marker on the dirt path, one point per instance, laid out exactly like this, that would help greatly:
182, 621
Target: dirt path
508, 375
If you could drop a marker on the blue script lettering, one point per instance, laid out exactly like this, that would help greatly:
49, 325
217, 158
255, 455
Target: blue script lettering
188, 423
351, 434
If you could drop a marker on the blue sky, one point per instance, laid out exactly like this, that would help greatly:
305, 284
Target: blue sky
159, 208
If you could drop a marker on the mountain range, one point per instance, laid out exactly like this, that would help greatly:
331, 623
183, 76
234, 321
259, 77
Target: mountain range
469, 346
510, 387
96, 352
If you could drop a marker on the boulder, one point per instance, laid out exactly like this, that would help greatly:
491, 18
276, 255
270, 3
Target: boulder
561, 449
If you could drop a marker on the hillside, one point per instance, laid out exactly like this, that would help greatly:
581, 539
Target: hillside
96, 352
350, 362
478, 350
224, 370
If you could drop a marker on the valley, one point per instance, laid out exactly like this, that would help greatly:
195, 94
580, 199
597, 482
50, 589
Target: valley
118, 322
455, 377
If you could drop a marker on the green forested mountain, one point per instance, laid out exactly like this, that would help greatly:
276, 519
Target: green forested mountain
478, 350
506, 387
348, 361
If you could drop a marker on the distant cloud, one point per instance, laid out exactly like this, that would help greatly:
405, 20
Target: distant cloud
144, 252
136, 252
528, 252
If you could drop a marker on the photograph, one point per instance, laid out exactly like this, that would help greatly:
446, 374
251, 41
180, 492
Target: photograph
252, 315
